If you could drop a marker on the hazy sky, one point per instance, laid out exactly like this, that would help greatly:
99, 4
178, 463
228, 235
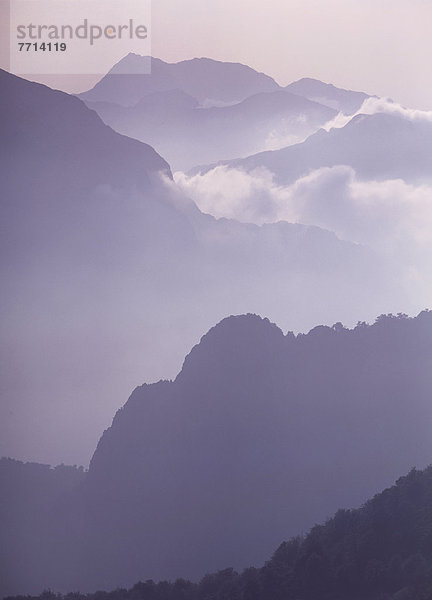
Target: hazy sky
378, 46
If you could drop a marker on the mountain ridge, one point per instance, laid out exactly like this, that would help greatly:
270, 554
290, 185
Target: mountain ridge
380, 146
242, 450
380, 551
97, 248
345, 101
252, 412
204, 79
180, 128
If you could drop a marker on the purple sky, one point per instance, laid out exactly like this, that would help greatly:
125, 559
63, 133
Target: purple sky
378, 46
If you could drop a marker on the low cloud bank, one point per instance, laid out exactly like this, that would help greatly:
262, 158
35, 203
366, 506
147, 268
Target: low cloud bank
288, 134
392, 217
372, 106
362, 211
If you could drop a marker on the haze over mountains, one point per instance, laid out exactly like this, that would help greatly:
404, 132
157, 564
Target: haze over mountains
254, 433
381, 550
188, 134
202, 78
365, 175
260, 436
204, 111
112, 273
344, 101
113, 267
380, 146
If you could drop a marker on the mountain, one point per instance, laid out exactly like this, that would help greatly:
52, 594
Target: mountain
260, 436
345, 101
380, 146
81, 206
187, 134
204, 111
35, 118
36, 528
205, 79
380, 551
110, 274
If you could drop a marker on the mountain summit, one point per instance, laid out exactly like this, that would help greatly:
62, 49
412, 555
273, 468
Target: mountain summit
99, 245
261, 434
203, 78
345, 101
259, 437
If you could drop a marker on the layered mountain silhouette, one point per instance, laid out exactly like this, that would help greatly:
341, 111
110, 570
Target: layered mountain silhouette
381, 551
80, 210
380, 146
205, 79
56, 138
110, 273
203, 111
188, 134
344, 101
260, 436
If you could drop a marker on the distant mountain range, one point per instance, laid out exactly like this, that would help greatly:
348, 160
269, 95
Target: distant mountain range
202, 111
111, 273
379, 146
260, 436
205, 79
344, 101
188, 134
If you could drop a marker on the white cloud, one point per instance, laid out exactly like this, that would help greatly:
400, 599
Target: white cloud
234, 194
284, 135
382, 214
392, 217
372, 106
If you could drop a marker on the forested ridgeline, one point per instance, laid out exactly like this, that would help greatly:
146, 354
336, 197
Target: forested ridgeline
382, 551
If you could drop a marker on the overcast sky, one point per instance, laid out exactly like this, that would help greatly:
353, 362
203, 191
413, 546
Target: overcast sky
378, 46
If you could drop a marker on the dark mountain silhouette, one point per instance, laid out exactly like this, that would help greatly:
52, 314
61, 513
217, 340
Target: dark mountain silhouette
345, 101
381, 551
46, 127
97, 250
188, 134
36, 527
260, 436
80, 210
203, 78
379, 146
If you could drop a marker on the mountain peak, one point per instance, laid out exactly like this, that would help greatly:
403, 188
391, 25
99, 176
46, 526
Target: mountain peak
313, 84
202, 78
250, 337
133, 64
346, 101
